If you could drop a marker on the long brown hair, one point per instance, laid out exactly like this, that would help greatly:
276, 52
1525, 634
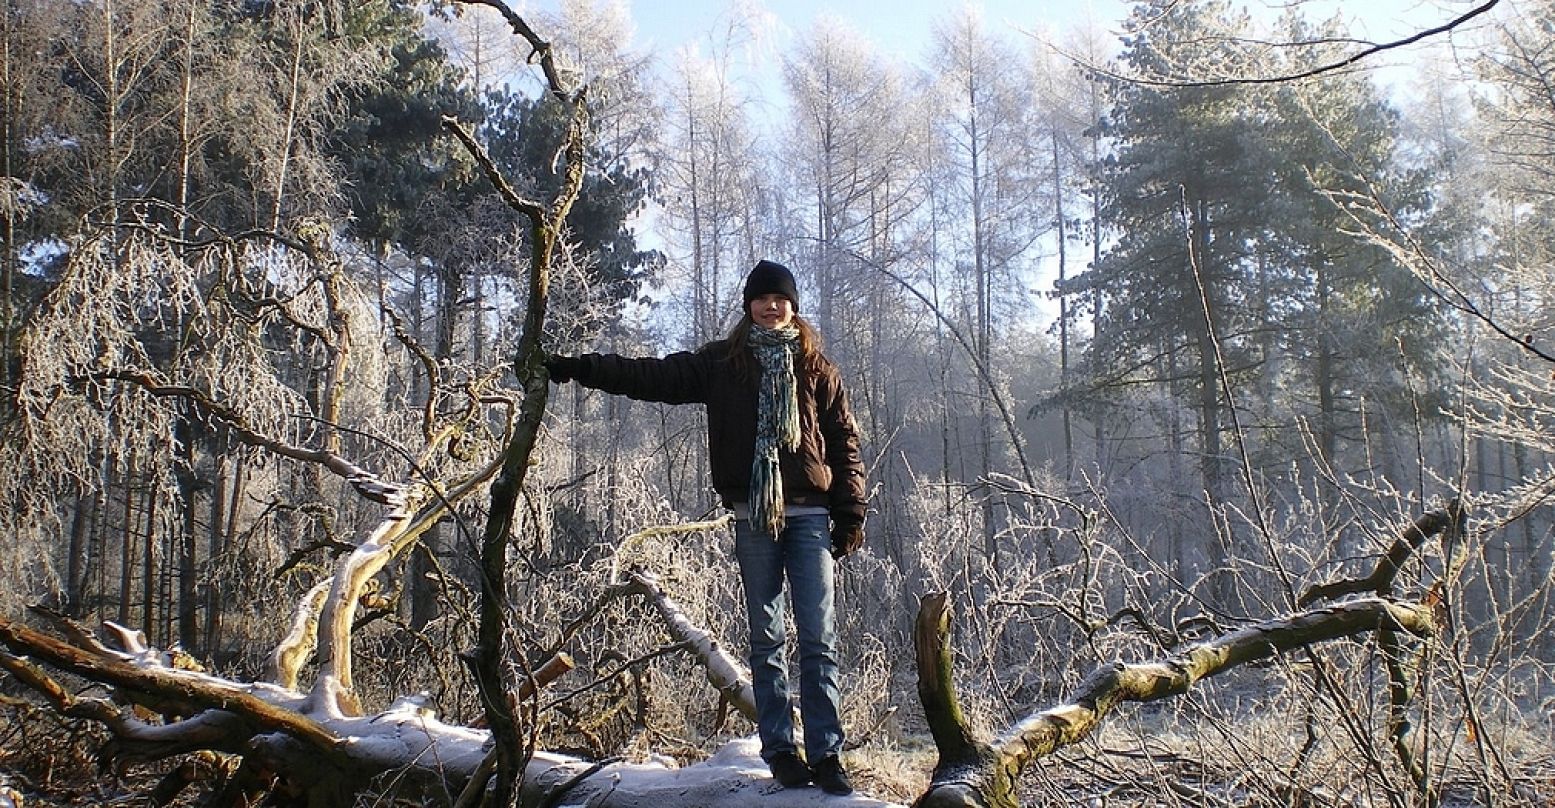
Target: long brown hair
809, 356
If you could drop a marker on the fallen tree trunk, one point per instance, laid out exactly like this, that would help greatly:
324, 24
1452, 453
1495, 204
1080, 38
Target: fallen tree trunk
972, 773
330, 757
330, 760
179, 692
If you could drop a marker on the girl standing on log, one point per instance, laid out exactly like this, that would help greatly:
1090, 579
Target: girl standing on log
784, 456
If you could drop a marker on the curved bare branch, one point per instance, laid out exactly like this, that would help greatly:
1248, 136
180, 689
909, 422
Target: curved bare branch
1352, 60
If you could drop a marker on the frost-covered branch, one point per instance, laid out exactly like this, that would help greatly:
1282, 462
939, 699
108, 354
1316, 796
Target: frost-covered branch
366, 483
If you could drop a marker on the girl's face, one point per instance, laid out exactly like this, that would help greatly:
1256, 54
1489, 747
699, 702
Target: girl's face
772, 311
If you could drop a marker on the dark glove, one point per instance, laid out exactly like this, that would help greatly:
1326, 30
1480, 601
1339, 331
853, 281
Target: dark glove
563, 369
847, 535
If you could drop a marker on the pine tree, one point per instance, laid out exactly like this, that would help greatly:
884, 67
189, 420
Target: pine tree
1187, 197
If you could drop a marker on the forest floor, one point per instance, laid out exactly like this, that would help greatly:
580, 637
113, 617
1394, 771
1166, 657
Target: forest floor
51, 763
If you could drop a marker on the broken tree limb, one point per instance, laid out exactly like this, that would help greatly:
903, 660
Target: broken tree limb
658, 531
1401, 665
133, 740
325, 617
1003, 760
333, 688
1380, 581
369, 485
325, 756
293, 650
192, 691
724, 671
553, 669
937, 688
1112, 684
967, 766
323, 623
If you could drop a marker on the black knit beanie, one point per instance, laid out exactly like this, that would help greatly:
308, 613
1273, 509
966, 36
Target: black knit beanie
770, 277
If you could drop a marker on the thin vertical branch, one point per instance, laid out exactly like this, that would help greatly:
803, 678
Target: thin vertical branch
973, 353
546, 227
1195, 262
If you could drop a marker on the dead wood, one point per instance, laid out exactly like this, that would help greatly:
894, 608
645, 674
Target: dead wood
322, 759
724, 671
985, 774
1402, 738
366, 483
1380, 581
172, 692
961, 755
275, 728
326, 761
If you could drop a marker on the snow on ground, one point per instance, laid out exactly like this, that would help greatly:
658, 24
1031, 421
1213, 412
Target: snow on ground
733, 776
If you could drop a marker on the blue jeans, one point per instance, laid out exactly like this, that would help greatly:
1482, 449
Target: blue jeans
803, 555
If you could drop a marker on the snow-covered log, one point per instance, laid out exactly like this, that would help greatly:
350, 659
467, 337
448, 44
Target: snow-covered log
327, 759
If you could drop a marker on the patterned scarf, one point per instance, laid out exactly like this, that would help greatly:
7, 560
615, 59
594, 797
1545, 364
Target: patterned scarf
777, 422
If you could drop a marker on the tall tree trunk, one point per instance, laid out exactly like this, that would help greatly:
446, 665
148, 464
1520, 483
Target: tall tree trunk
9, 213
1323, 372
294, 93
186, 538
148, 583
76, 565
702, 316
223, 538
215, 531
982, 325
546, 224
424, 604
1062, 231
1210, 462
1098, 421
99, 538
127, 544
1175, 453
188, 482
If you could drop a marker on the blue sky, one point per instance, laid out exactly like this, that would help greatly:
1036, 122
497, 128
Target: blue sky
903, 27
894, 25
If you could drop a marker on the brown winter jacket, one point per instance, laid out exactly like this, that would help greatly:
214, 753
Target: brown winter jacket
826, 470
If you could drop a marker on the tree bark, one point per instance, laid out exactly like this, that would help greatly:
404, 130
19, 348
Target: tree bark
546, 224
986, 774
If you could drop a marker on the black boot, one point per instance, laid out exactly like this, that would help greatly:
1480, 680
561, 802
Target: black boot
831, 777
789, 770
